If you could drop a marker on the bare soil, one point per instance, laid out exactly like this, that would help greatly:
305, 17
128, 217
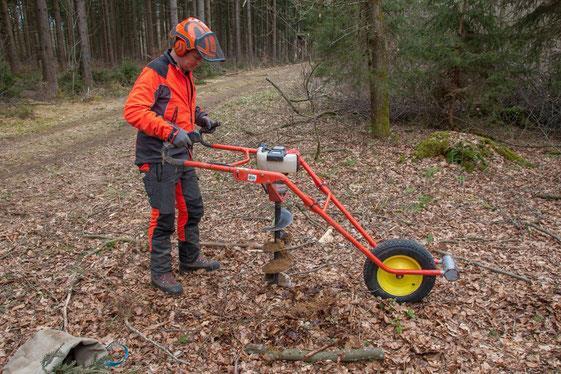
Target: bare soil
64, 184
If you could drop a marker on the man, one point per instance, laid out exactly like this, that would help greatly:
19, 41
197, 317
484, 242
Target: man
162, 107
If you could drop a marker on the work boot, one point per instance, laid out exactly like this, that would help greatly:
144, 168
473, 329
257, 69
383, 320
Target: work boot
200, 263
167, 283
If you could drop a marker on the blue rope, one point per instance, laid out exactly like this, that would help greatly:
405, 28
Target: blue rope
124, 348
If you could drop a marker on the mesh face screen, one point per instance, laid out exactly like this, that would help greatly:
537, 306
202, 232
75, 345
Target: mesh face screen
209, 48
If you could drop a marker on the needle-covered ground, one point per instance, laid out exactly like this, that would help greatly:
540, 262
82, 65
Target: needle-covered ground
67, 191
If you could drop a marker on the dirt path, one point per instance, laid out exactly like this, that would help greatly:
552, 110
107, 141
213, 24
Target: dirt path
78, 128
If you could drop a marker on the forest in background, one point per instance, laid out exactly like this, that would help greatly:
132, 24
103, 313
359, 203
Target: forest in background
455, 64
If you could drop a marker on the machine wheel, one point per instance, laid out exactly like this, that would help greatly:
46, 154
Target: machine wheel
400, 254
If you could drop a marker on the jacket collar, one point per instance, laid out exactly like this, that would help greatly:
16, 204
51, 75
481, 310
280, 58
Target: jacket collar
171, 60
167, 55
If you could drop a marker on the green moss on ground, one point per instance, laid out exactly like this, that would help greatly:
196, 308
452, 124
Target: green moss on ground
470, 155
435, 145
507, 153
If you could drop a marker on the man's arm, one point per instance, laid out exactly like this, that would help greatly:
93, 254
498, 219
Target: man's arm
138, 107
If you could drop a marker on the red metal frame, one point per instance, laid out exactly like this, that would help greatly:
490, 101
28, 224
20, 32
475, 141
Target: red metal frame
266, 177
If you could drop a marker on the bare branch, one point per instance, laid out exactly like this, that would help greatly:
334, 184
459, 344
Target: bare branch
158, 345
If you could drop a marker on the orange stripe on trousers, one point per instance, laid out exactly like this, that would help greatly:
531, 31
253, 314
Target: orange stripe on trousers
153, 223
182, 214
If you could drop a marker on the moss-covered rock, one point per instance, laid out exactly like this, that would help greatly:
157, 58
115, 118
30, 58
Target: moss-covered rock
435, 145
471, 152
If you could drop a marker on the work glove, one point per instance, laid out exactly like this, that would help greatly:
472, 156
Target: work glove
206, 124
181, 138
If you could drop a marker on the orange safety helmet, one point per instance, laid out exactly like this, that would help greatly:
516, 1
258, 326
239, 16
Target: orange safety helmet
192, 33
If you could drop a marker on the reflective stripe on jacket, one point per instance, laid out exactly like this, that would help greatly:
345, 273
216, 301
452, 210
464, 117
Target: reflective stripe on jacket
162, 96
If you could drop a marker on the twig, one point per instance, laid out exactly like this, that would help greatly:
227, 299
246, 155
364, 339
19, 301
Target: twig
548, 196
475, 239
484, 266
308, 119
285, 98
236, 368
230, 244
110, 238
73, 282
552, 234
305, 213
298, 246
161, 347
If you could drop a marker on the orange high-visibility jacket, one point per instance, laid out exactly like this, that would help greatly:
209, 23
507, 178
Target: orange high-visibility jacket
162, 97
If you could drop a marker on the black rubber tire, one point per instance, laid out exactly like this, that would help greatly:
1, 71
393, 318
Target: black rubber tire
396, 247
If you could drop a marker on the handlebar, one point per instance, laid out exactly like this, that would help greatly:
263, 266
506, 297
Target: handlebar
195, 136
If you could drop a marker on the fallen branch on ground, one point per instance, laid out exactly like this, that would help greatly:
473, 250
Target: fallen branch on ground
161, 347
541, 229
293, 354
484, 266
548, 196
111, 238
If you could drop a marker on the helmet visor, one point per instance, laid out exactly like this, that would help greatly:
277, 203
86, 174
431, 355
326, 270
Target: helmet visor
208, 47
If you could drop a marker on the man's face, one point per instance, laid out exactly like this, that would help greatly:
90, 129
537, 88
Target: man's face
190, 61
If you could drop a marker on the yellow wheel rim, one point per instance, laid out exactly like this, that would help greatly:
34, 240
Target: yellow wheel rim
399, 285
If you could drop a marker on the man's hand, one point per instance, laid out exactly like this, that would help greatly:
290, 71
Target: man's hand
207, 125
180, 138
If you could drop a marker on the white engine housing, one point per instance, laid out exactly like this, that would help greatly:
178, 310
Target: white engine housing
276, 159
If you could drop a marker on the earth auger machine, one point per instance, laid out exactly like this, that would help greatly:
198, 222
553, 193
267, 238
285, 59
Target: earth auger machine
400, 269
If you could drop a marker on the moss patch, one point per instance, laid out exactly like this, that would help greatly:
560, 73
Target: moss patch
468, 151
435, 145
507, 153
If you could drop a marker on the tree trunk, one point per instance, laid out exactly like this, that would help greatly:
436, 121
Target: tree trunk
70, 35
187, 9
47, 55
85, 51
173, 13
249, 34
10, 44
32, 37
149, 28
378, 71
201, 10
274, 25
60, 44
109, 29
207, 13
19, 14
237, 12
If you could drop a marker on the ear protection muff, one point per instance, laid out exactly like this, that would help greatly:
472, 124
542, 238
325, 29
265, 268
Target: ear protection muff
180, 47
180, 44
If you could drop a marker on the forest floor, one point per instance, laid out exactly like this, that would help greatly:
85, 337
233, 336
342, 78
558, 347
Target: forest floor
69, 186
